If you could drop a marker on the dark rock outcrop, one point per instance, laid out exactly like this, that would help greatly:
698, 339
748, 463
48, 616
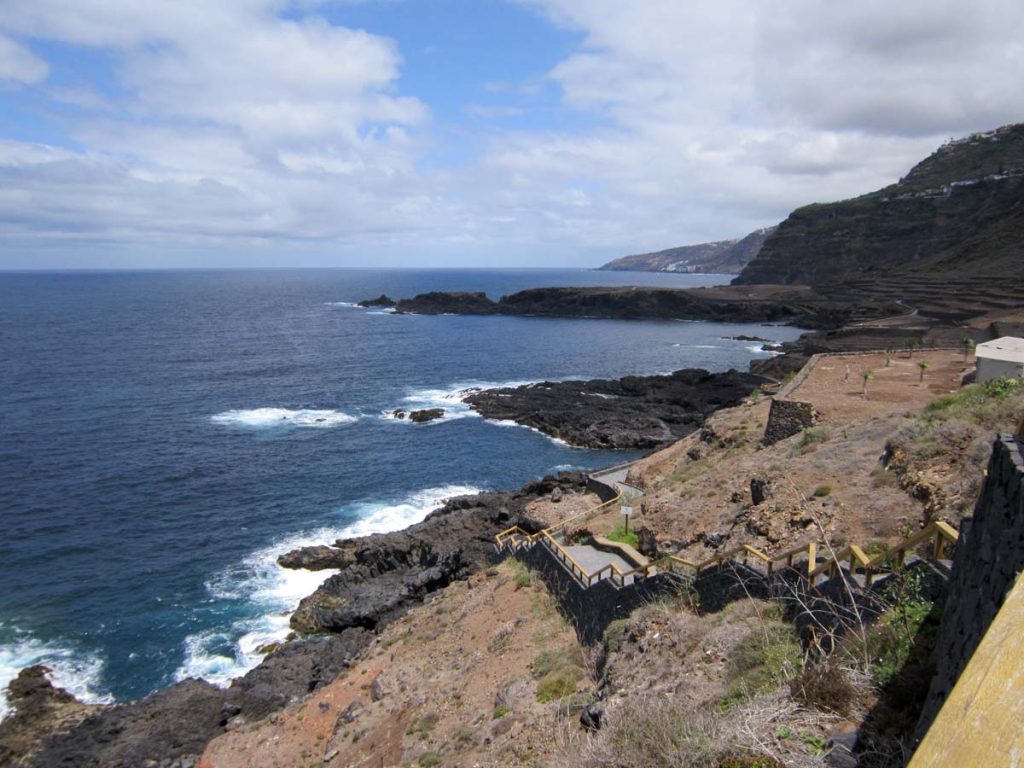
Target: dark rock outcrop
788, 305
384, 574
425, 415
50, 728
448, 303
632, 412
381, 301
419, 417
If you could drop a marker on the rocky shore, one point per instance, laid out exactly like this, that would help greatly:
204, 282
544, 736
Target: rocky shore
763, 304
628, 413
380, 577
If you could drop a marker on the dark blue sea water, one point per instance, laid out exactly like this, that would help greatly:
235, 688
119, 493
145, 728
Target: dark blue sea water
163, 436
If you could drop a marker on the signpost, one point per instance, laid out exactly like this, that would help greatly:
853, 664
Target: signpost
627, 512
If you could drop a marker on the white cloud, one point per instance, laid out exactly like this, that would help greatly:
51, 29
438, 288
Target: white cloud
258, 121
714, 119
19, 65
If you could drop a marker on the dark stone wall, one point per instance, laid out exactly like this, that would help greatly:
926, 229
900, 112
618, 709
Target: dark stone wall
591, 610
989, 557
787, 418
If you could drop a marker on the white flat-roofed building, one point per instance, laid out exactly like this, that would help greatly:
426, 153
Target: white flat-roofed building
1000, 358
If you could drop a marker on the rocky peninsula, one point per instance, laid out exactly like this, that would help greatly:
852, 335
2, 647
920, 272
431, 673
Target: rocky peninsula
618, 414
790, 305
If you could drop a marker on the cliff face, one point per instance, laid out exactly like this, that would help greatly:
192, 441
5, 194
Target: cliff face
726, 257
961, 210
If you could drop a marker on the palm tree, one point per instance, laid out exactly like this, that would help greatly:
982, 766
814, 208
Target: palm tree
923, 365
969, 344
867, 377
912, 344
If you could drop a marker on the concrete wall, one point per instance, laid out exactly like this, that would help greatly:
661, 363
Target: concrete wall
989, 369
988, 559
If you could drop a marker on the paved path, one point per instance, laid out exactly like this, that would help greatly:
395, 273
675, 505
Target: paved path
592, 560
618, 476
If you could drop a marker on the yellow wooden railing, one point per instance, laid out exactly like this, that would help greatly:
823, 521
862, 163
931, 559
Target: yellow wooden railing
510, 535
940, 535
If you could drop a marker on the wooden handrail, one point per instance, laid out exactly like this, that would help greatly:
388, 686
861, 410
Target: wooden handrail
585, 513
939, 532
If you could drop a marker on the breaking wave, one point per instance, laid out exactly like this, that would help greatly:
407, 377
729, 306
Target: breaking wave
282, 418
270, 593
76, 671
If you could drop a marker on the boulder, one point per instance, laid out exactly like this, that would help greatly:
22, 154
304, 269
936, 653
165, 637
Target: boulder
426, 414
760, 490
647, 542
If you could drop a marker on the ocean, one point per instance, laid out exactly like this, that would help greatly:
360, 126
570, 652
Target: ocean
165, 435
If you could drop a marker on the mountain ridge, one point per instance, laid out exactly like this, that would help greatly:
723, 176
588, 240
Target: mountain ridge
959, 210
727, 257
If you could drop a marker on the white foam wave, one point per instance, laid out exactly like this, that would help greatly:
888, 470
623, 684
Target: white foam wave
282, 418
77, 672
699, 346
567, 468
759, 349
384, 311
511, 423
451, 400
221, 655
341, 304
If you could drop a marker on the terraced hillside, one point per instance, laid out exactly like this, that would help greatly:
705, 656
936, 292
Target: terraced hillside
957, 219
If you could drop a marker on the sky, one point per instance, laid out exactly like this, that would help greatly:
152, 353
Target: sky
488, 133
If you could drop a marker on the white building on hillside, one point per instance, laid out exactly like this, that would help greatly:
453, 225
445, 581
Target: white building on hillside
1000, 358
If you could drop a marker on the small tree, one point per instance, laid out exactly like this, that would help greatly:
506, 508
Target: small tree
888, 358
969, 345
923, 365
866, 376
912, 344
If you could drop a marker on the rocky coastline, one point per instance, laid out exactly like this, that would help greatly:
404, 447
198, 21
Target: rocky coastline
618, 414
380, 577
767, 304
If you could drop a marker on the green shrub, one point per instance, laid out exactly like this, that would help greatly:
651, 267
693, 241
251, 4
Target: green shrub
423, 725
823, 490
811, 437
614, 634
767, 657
500, 711
523, 577
891, 642
622, 536
558, 684
973, 402
429, 760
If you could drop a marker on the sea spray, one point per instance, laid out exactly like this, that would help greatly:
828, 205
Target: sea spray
271, 592
282, 418
73, 669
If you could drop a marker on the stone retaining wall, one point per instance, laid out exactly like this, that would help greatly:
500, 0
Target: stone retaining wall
989, 557
787, 418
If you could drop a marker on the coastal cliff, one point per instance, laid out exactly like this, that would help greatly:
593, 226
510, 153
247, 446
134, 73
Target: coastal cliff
959, 211
723, 257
